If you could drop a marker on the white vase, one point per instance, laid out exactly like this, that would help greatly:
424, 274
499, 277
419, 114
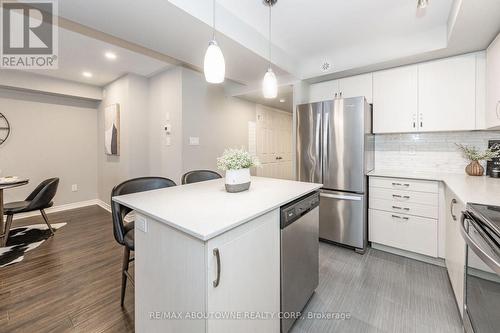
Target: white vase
237, 180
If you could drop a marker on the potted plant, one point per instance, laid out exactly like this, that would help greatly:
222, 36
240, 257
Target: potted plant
474, 168
237, 164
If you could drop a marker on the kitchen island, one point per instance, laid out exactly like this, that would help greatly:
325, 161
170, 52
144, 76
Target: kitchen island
207, 260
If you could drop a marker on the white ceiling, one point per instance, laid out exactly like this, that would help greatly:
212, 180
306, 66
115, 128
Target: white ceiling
285, 94
354, 36
79, 53
320, 28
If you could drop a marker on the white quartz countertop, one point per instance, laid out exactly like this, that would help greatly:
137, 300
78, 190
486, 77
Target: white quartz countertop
482, 190
205, 210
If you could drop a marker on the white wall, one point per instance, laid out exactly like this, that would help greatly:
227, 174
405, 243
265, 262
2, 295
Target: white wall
131, 93
165, 106
51, 137
179, 97
219, 121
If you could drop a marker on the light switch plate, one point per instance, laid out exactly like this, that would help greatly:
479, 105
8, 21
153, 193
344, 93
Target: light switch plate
194, 141
141, 223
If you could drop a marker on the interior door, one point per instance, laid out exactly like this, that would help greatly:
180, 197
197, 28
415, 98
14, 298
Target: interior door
343, 144
309, 142
274, 143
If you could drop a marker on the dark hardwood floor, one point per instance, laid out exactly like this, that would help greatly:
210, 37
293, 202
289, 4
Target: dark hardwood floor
71, 283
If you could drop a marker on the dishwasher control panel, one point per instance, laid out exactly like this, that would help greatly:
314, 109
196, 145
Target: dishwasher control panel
298, 208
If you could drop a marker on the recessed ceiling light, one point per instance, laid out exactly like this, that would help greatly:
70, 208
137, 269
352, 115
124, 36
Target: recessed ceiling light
421, 4
87, 74
282, 100
110, 55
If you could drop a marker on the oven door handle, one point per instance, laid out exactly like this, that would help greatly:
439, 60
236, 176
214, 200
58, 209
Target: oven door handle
488, 260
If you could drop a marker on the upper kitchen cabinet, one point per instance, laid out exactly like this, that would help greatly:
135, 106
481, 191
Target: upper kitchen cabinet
395, 100
353, 86
359, 85
323, 91
447, 94
493, 85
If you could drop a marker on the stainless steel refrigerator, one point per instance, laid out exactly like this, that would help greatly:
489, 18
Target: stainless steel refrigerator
335, 147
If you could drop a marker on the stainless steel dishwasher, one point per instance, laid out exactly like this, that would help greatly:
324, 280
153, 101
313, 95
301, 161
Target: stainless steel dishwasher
299, 256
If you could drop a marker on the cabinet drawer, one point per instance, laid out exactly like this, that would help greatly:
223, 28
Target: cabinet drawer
404, 184
400, 197
405, 207
410, 233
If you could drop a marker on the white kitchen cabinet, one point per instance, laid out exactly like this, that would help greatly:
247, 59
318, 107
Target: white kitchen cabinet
493, 85
395, 100
447, 94
323, 91
403, 231
175, 272
249, 265
353, 86
359, 85
404, 214
455, 246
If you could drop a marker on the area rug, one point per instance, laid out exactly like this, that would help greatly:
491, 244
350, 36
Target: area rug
24, 239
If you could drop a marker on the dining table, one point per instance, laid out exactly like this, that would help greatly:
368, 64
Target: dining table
3, 186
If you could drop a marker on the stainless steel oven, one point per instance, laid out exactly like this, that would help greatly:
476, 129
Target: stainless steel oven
480, 228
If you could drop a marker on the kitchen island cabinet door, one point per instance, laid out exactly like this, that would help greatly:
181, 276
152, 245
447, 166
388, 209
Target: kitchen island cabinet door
249, 277
455, 247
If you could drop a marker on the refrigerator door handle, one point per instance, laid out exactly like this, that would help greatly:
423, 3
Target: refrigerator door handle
340, 196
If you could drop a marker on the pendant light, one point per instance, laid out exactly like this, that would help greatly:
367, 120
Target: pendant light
270, 84
214, 65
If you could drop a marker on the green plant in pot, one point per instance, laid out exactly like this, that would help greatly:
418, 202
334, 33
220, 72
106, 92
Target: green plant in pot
474, 155
237, 164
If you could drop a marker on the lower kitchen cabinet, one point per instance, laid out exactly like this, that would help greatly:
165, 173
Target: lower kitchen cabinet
402, 231
227, 276
404, 214
455, 246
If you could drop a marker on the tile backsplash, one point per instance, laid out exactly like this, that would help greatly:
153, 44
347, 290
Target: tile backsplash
428, 151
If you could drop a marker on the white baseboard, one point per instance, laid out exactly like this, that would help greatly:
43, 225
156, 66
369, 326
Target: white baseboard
408, 254
61, 208
103, 205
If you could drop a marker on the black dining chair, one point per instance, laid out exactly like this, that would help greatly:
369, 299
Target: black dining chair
124, 233
40, 199
196, 176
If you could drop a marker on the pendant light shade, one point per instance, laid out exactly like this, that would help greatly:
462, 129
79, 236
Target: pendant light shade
214, 65
270, 84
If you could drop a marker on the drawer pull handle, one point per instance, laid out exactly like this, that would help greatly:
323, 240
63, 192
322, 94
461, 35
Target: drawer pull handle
401, 218
401, 196
403, 208
399, 184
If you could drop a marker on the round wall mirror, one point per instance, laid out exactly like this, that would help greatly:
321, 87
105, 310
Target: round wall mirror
4, 129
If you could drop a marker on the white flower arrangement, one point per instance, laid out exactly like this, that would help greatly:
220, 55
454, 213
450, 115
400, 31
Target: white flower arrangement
236, 159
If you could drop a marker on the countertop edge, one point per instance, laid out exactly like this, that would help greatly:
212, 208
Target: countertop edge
205, 238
